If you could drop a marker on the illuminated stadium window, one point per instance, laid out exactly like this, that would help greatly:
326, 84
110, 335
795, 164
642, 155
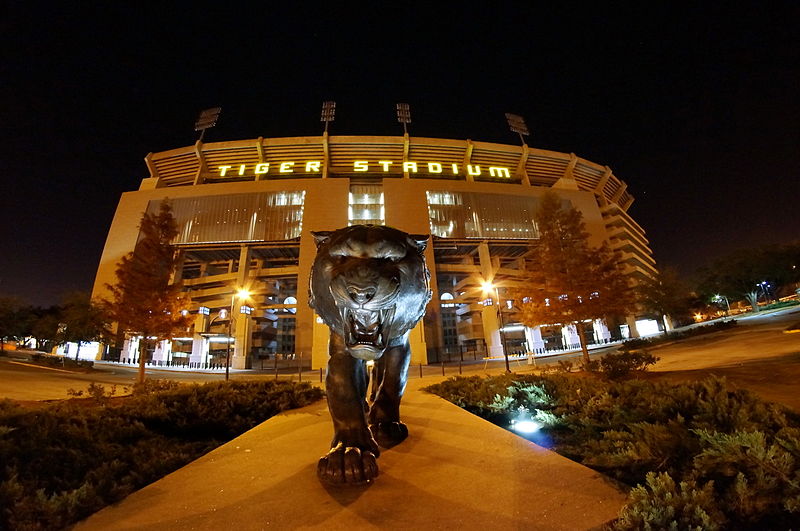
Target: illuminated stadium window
449, 321
446, 299
473, 215
366, 205
289, 301
266, 216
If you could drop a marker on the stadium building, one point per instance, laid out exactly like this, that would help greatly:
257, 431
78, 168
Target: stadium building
246, 210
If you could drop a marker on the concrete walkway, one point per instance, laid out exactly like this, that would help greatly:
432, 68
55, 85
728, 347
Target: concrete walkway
454, 471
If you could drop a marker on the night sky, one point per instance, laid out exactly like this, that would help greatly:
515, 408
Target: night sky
695, 107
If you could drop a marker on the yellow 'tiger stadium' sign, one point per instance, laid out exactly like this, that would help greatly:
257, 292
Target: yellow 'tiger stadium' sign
360, 166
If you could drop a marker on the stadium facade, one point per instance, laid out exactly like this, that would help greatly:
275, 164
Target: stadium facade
246, 209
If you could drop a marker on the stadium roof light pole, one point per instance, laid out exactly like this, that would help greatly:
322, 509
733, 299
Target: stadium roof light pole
328, 113
207, 119
517, 125
488, 287
404, 115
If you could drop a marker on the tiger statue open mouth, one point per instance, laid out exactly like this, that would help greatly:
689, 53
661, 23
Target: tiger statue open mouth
370, 285
366, 301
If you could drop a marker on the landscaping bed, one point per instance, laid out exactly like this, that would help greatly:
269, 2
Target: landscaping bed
64, 461
695, 454
32, 357
678, 335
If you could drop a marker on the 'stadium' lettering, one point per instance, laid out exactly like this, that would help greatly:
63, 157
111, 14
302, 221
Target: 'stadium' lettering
361, 166
499, 171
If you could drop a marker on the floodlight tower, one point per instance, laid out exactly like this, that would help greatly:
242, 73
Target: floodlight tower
207, 119
328, 113
404, 116
517, 125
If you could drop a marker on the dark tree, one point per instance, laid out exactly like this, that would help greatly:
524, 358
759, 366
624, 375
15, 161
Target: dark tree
16, 320
81, 320
570, 281
749, 273
144, 301
45, 327
666, 294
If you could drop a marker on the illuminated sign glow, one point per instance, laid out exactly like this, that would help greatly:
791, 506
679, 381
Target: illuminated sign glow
360, 166
262, 168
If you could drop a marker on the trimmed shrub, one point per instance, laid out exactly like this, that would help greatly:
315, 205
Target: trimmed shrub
621, 364
640, 343
60, 361
152, 385
780, 304
565, 366
661, 504
636, 343
758, 475
590, 366
684, 445
63, 462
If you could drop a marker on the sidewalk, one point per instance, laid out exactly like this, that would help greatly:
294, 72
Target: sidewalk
454, 471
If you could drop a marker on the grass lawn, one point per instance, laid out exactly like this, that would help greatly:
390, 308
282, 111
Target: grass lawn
762, 358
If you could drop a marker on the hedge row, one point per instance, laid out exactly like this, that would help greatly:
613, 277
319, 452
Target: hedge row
60, 361
64, 462
638, 343
698, 455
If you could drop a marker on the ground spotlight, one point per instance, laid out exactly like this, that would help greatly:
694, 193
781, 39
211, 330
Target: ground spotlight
525, 426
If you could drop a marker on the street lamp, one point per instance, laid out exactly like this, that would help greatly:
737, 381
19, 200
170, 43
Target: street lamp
720, 298
241, 294
487, 289
764, 285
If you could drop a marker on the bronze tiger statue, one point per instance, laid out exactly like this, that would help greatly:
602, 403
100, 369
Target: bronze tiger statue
370, 285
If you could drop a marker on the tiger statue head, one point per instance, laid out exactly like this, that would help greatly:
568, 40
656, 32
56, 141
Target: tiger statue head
370, 285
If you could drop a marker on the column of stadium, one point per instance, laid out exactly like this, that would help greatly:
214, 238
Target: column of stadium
246, 209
